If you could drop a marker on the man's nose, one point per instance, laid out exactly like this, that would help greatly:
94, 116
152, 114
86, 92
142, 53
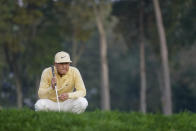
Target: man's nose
64, 65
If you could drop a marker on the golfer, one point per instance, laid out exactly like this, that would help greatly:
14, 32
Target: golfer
61, 88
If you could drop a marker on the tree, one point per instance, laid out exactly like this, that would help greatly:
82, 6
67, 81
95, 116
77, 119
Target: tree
167, 100
101, 10
11, 44
18, 29
142, 61
80, 17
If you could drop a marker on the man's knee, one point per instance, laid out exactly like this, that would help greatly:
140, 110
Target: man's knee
80, 105
83, 102
41, 104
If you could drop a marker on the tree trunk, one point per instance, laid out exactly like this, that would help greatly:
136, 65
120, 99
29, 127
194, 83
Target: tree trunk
18, 91
142, 63
37, 83
11, 60
167, 102
161, 83
105, 94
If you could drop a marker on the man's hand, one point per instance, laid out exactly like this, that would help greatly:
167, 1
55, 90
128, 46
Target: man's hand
63, 96
53, 82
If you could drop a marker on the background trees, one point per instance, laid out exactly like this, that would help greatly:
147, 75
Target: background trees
31, 34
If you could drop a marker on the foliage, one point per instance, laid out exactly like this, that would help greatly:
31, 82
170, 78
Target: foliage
25, 119
180, 30
35, 32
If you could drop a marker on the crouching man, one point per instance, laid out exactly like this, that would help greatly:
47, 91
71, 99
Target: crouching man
69, 84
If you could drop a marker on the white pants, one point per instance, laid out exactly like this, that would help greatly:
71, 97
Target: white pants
78, 105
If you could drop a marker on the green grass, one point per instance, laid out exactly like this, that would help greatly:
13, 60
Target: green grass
28, 120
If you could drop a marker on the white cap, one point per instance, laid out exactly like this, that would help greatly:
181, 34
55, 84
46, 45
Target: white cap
62, 57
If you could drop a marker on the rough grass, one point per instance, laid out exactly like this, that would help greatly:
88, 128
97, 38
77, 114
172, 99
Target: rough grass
28, 120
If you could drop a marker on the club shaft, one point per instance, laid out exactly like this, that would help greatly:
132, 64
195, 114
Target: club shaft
57, 98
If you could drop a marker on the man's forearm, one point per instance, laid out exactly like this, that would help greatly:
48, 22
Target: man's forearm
44, 92
76, 94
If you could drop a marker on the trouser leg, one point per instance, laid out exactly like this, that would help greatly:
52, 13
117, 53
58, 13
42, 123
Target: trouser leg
78, 105
46, 105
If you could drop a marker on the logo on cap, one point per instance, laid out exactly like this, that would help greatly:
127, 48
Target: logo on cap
63, 57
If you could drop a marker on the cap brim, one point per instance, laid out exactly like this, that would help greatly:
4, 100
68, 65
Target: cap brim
63, 62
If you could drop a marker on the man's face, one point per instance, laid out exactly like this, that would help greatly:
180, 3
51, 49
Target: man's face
62, 68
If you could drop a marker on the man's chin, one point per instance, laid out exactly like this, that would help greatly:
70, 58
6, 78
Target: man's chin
63, 73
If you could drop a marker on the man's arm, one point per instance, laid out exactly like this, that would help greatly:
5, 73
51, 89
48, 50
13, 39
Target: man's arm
45, 85
79, 85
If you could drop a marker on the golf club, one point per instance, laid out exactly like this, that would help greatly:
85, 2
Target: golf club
57, 97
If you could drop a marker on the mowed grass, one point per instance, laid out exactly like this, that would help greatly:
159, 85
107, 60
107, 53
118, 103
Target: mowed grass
29, 120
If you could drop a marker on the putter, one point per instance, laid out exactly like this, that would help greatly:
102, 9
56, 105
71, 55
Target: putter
57, 97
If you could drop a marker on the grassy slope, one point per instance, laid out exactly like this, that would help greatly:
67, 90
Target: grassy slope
28, 120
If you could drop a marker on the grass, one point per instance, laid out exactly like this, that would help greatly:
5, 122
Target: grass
28, 120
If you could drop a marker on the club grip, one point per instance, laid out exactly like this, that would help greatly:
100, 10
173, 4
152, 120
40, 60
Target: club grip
53, 75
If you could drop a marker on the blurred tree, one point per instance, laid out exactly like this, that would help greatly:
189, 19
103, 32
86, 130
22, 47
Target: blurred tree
38, 29
167, 99
142, 61
102, 11
19, 27
133, 32
11, 42
80, 16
